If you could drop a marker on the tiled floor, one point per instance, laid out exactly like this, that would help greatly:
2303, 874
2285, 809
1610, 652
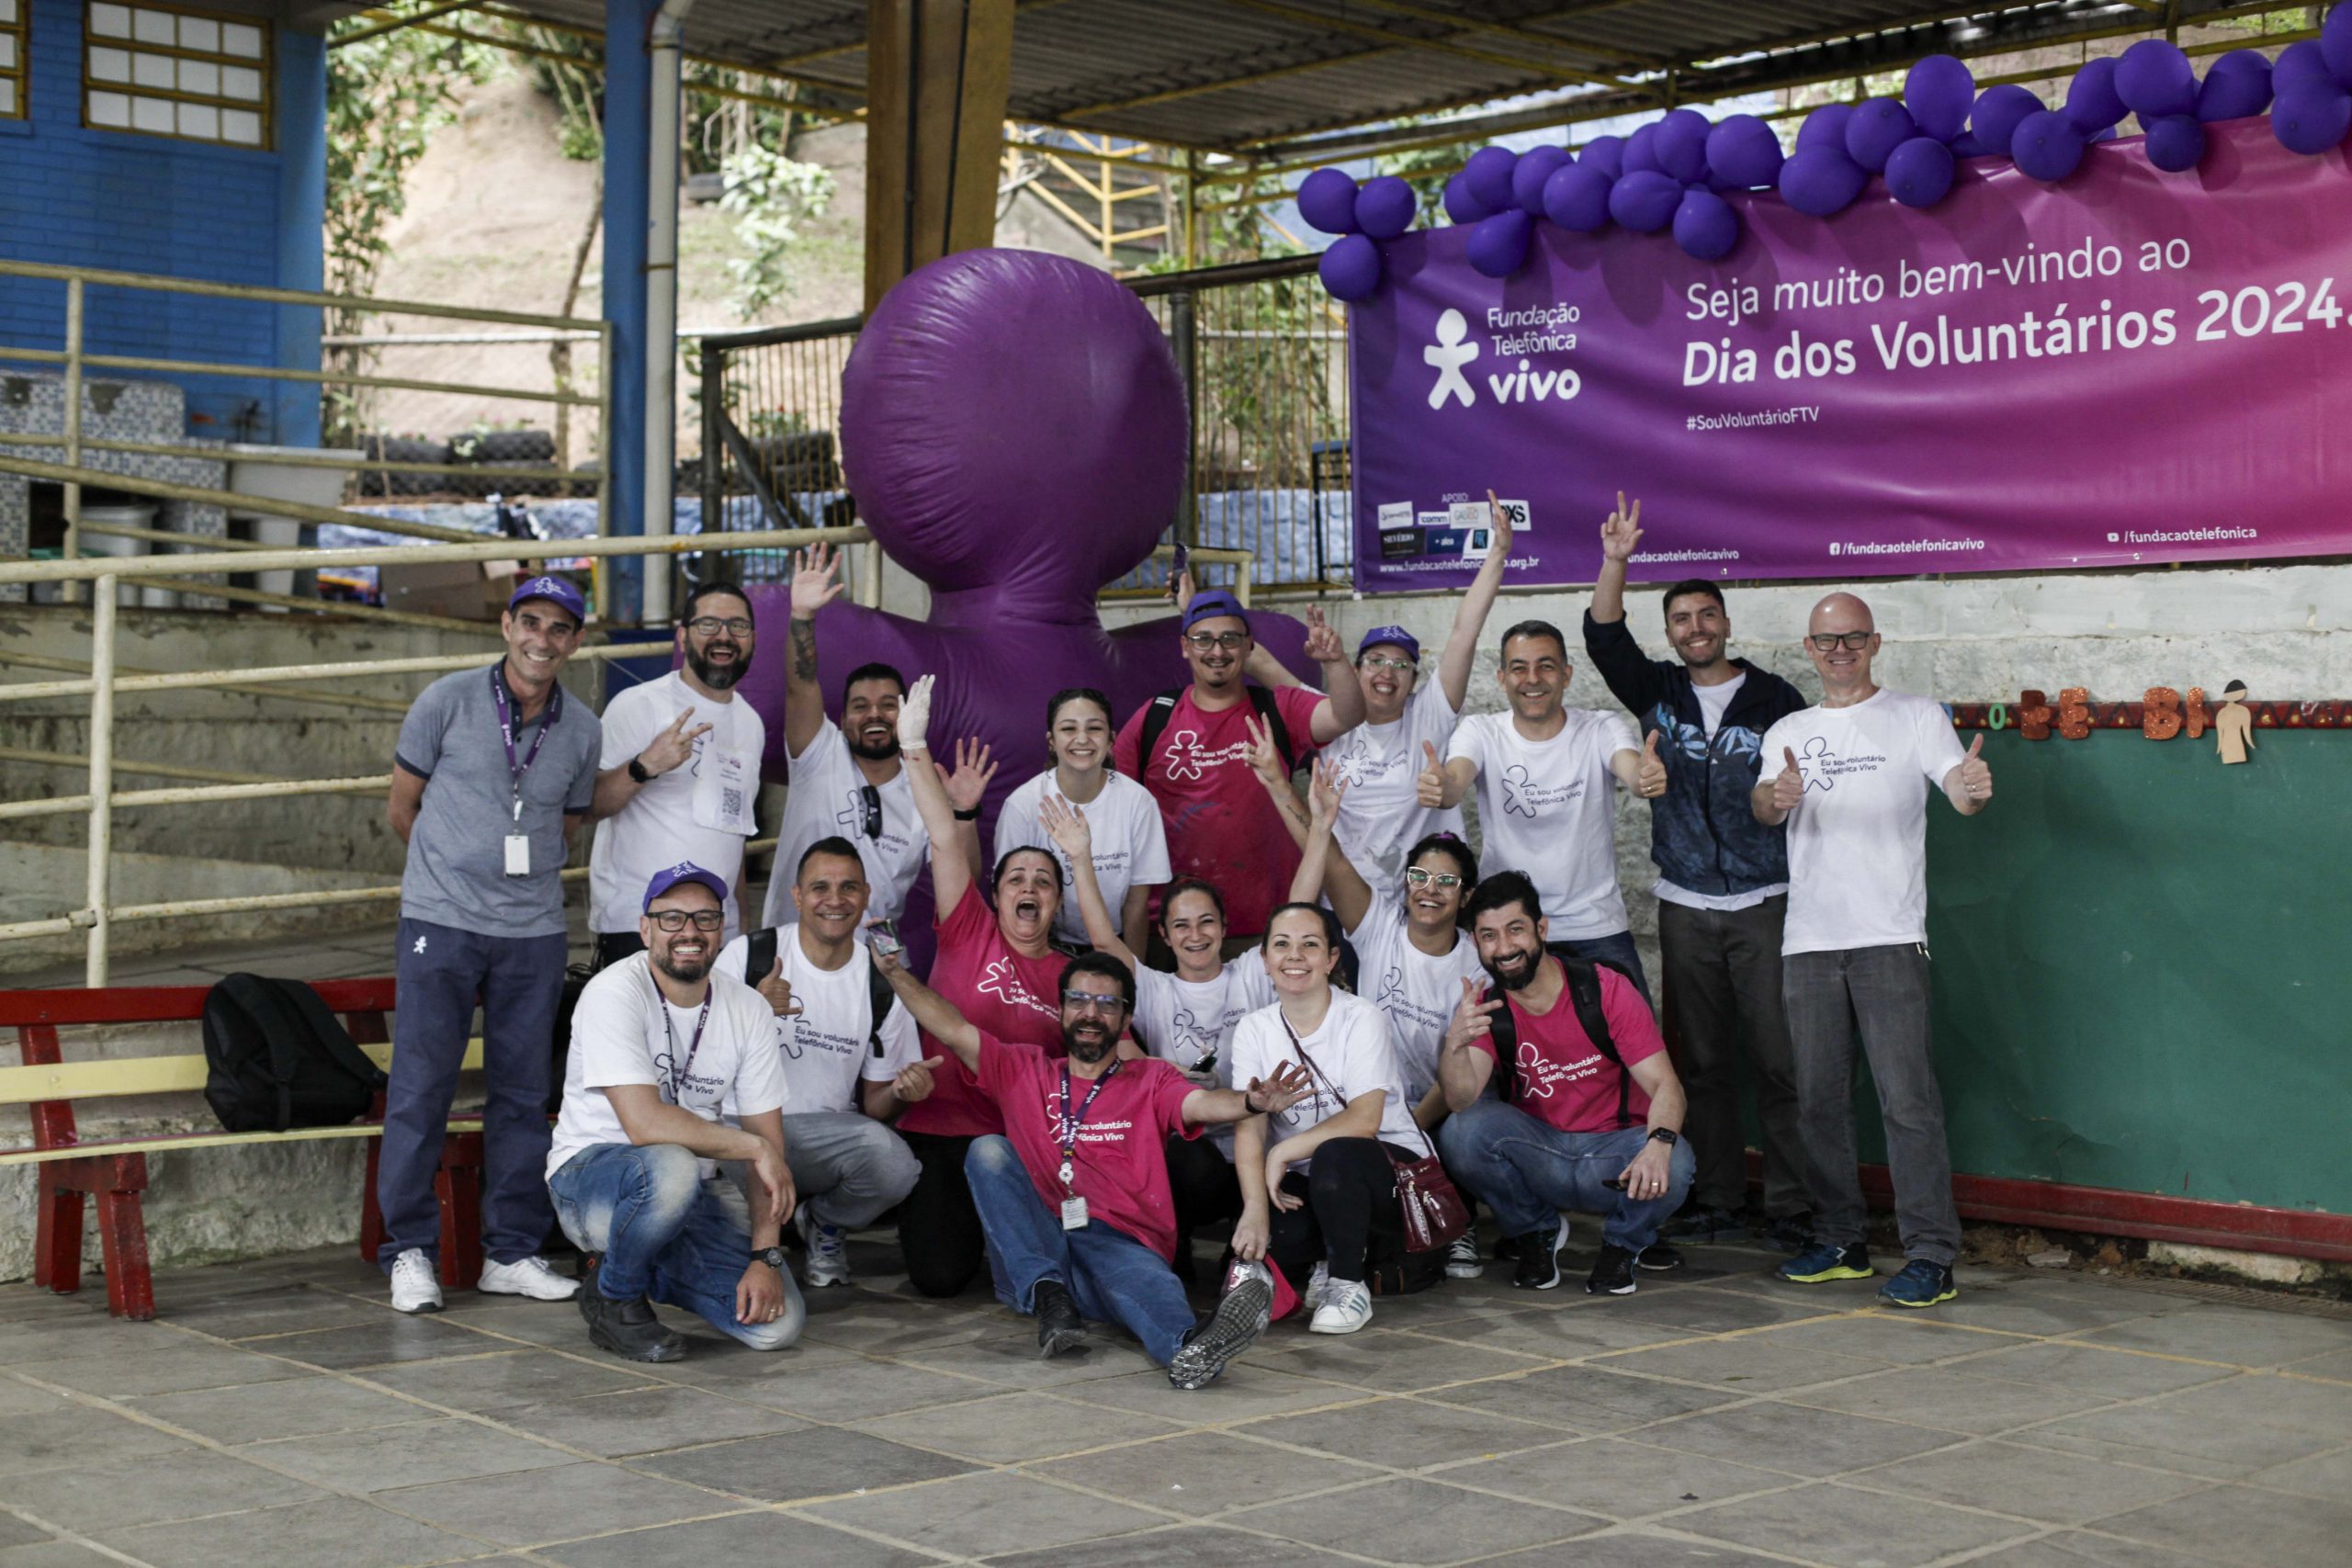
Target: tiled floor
279, 1413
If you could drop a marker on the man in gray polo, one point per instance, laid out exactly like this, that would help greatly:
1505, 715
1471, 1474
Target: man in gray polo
494, 768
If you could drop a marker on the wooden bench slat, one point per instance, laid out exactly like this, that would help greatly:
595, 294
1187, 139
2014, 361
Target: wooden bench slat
141, 1075
171, 1143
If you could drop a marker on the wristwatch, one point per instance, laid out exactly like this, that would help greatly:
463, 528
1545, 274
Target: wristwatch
771, 1256
637, 770
971, 816
1665, 1135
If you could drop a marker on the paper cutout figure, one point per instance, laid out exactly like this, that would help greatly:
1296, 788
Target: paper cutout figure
2234, 725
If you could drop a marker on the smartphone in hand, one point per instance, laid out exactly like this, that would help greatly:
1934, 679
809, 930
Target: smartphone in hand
882, 937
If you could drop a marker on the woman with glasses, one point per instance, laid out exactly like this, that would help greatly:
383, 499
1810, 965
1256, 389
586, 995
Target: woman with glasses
1318, 1180
999, 968
1186, 1019
1130, 843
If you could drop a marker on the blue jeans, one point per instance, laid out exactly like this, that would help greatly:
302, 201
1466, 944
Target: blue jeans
1527, 1171
440, 970
1109, 1275
667, 1233
1618, 949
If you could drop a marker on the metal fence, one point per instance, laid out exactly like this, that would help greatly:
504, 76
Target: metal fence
1264, 359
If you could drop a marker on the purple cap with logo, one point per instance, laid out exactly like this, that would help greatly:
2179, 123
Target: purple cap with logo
1209, 605
556, 590
683, 871
1397, 635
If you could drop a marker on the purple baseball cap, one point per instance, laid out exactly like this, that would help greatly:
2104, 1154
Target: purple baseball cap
1209, 605
556, 590
1397, 635
684, 871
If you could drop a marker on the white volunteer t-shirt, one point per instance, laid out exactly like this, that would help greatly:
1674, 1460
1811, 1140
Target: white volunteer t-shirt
1380, 817
661, 826
624, 1031
1352, 1050
1548, 809
1713, 703
1130, 843
827, 1047
1417, 990
826, 800
1858, 841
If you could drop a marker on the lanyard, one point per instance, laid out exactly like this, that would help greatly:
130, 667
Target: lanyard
1070, 1124
679, 1075
516, 772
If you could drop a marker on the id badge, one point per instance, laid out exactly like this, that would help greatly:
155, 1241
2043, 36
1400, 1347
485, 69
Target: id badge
1073, 1214
723, 793
518, 854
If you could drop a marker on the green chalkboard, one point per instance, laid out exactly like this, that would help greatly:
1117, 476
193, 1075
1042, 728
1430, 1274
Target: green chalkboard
2142, 973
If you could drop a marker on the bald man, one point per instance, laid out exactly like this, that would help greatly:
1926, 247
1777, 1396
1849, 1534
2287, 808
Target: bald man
1852, 787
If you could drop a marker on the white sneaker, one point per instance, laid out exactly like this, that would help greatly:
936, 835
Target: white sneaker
1462, 1260
1316, 1284
413, 1287
827, 1262
1347, 1306
525, 1277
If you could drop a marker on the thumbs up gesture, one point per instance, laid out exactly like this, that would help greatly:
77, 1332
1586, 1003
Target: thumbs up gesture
1650, 782
1430, 787
1788, 786
1975, 773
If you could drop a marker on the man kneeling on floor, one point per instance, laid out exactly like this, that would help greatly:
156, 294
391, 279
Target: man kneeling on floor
1591, 1116
659, 1044
1073, 1195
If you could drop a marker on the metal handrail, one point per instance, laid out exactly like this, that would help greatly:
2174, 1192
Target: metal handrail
157, 283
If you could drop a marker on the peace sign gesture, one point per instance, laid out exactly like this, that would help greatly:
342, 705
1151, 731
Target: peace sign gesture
1620, 530
1473, 1017
673, 746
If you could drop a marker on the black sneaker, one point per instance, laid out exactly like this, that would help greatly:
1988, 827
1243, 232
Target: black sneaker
1700, 1225
1612, 1272
1659, 1258
1539, 1257
1060, 1329
1240, 1318
627, 1328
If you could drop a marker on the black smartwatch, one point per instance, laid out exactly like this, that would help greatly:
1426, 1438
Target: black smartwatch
637, 771
971, 816
1665, 1135
771, 1256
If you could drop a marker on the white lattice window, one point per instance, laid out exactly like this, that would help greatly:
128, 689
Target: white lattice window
12, 58
168, 71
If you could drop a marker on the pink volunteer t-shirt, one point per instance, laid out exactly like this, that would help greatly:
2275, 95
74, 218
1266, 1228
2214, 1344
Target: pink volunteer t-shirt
1001, 992
1117, 1164
1221, 827
1563, 1077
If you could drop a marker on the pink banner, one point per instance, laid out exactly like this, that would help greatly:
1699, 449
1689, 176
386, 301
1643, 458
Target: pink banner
2127, 367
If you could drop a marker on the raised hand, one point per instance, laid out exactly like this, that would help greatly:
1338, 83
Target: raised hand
1323, 799
1273, 1095
813, 586
1620, 530
1650, 782
1263, 758
913, 1083
914, 715
1430, 790
675, 746
1975, 773
967, 785
778, 990
1502, 527
1473, 1017
1323, 644
1788, 784
1067, 826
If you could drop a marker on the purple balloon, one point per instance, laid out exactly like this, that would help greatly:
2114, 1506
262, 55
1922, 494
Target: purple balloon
1743, 151
1877, 129
1527, 176
1821, 182
1966, 145
2047, 145
1682, 145
2176, 143
2238, 85
2092, 102
1386, 207
1498, 245
1460, 204
1488, 174
1641, 152
2312, 118
1577, 197
2301, 65
2154, 78
1327, 199
1920, 172
1999, 111
1645, 200
1938, 92
1824, 127
2336, 44
1350, 268
2104, 133
1606, 153
1705, 226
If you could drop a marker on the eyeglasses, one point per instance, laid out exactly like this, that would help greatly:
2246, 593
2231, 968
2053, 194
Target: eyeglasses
1382, 661
1419, 878
1830, 642
869, 805
1202, 641
702, 919
712, 626
1094, 1001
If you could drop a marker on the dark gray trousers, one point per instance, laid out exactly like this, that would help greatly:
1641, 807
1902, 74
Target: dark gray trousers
1722, 983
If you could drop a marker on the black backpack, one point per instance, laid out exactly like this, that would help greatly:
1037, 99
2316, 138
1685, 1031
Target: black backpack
1155, 722
760, 957
576, 980
275, 1058
1584, 995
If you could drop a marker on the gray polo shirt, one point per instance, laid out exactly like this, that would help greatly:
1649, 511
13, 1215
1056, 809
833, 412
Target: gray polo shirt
456, 852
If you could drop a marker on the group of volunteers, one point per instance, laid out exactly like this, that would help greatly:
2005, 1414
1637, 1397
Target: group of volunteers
1185, 999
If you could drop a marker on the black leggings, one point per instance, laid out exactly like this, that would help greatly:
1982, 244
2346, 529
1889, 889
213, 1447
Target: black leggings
1201, 1183
939, 1230
1351, 1219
